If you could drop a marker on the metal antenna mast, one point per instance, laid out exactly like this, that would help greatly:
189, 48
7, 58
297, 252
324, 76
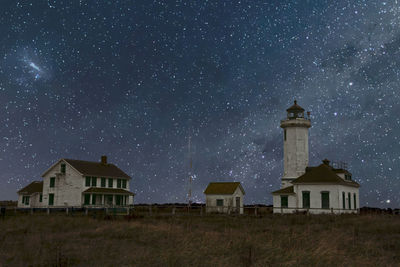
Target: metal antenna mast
190, 173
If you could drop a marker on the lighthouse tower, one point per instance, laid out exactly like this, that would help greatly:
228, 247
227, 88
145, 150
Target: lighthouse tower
295, 144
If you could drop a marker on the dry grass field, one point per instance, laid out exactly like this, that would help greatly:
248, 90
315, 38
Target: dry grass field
290, 240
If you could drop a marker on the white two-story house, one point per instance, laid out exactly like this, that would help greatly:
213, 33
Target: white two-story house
77, 183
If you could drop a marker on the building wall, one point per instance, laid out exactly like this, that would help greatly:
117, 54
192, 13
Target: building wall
34, 201
114, 185
335, 199
277, 204
295, 149
68, 187
229, 202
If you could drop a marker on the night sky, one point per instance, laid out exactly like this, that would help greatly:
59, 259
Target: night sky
134, 79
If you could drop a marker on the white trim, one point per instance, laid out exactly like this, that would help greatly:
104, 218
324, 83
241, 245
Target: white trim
60, 160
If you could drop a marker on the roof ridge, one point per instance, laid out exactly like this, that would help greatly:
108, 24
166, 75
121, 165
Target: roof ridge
87, 161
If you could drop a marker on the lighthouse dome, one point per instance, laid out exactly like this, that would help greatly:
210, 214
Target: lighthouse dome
295, 111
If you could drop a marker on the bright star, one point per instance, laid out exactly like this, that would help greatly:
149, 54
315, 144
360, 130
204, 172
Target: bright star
33, 65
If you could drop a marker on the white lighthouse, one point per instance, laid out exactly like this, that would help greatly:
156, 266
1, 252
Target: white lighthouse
295, 144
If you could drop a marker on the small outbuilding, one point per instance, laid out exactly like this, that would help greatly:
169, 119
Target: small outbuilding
224, 197
31, 195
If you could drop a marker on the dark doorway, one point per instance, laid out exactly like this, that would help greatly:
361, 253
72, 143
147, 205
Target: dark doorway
238, 204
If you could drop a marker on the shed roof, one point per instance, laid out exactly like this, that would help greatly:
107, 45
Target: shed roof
286, 190
108, 191
324, 174
223, 188
34, 187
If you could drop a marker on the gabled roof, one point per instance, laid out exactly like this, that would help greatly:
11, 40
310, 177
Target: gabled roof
34, 187
96, 168
223, 188
322, 174
108, 191
92, 168
287, 190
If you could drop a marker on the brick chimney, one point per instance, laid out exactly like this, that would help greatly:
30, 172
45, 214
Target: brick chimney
104, 160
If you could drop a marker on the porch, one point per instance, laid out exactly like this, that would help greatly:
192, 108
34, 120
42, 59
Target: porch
106, 197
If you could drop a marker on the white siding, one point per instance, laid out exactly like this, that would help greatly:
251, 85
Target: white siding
34, 201
68, 187
335, 199
229, 202
277, 203
295, 149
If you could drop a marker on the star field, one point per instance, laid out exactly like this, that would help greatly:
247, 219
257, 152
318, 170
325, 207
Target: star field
134, 79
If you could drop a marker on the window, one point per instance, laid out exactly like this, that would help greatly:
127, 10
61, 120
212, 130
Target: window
220, 202
284, 201
109, 199
93, 199
325, 200
118, 201
349, 196
123, 183
306, 199
103, 182
87, 199
87, 183
62, 168
118, 183
355, 205
94, 181
110, 182
25, 200
40, 198
52, 181
51, 199
344, 200
284, 134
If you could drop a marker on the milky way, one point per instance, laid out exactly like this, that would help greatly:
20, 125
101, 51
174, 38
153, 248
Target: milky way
134, 79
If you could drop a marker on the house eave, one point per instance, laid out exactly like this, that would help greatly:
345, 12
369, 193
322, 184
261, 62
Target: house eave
328, 183
52, 166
